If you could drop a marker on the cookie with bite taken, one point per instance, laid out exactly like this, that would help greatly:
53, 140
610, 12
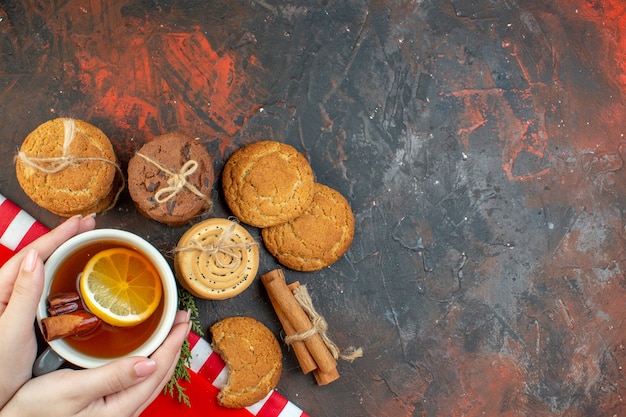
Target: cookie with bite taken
253, 360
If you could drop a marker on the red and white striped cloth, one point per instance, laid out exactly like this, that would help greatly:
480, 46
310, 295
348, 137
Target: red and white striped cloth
17, 229
208, 375
208, 371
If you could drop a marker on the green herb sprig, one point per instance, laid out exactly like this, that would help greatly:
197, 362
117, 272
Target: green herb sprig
186, 302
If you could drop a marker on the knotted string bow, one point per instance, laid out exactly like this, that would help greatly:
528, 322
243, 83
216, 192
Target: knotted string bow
220, 245
54, 164
176, 181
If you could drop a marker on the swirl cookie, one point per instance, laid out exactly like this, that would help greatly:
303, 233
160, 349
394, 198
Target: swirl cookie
69, 167
216, 259
170, 179
316, 238
267, 183
253, 360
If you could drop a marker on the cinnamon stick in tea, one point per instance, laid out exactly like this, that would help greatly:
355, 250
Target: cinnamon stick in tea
72, 324
64, 308
274, 282
63, 303
55, 300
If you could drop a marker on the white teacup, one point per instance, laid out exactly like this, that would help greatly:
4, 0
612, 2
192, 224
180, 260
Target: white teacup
48, 361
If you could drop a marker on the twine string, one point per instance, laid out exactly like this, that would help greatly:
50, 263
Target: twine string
319, 326
54, 164
176, 181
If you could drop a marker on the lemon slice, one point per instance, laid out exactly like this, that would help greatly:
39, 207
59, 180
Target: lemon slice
121, 287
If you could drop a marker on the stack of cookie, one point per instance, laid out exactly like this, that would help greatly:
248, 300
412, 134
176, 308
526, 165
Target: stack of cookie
170, 179
69, 167
305, 225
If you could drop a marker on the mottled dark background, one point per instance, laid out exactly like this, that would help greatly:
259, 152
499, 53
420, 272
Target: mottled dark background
480, 144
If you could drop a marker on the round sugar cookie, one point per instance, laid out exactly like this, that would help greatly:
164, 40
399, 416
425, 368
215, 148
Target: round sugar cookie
267, 183
316, 238
68, 166
216, 259
253, 360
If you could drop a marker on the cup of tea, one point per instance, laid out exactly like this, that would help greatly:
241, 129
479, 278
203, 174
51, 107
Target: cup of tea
105, 342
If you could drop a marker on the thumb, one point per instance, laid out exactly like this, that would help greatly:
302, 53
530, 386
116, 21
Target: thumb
27, 289
115, 376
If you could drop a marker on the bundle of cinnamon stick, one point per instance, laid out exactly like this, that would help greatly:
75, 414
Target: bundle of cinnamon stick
306, 335
67, 317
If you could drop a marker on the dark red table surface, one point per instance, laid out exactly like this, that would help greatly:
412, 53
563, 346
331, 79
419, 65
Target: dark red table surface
480, 144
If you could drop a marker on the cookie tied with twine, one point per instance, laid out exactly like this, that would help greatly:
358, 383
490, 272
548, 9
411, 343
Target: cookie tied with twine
216, 259
69, 167
170, 179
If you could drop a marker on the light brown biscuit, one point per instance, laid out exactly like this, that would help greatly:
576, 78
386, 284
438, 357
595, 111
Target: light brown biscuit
267, 183
107, 202
216, 259
170, 179
253, 359
316, 238
68, 167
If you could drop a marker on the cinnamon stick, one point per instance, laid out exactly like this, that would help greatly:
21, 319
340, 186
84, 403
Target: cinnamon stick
55, 300
77, 323
64, 308
274, 282
325, 378
322, 378
306, 361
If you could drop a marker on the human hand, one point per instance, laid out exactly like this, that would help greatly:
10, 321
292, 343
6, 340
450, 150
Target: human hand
124, 387
21, 285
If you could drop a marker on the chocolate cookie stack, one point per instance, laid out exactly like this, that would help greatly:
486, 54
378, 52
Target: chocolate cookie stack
170, 179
